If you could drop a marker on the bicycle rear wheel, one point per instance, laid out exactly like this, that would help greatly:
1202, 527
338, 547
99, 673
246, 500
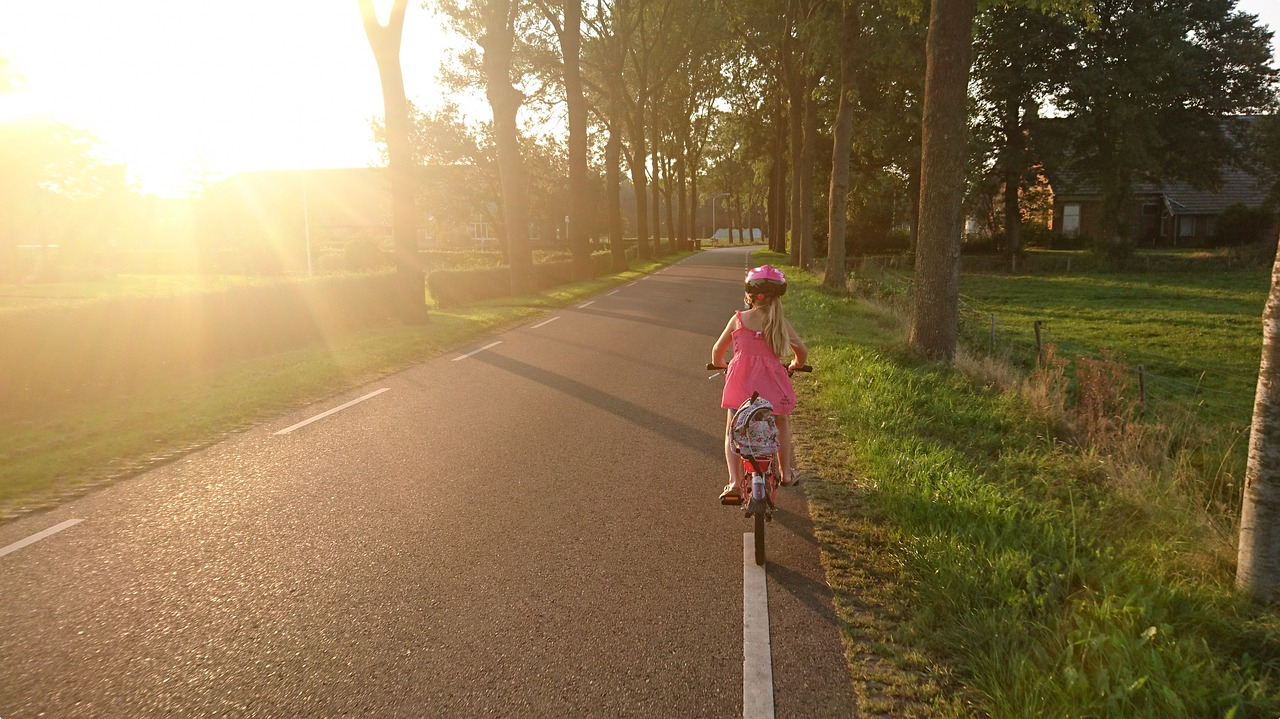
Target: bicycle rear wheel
759, 537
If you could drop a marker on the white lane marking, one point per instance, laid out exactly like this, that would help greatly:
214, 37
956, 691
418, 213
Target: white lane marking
39, 535
322, 415
476, 352
633, 284
543, 324
586, 304
613, 293
757, 660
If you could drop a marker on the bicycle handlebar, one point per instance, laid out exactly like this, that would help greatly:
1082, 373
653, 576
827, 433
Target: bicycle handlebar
801, 368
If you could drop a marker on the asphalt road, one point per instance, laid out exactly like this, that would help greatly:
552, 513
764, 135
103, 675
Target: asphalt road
528, 531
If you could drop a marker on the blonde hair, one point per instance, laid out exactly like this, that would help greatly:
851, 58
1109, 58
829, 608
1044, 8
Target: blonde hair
775, 324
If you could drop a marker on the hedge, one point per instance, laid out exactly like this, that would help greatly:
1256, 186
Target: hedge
454, 287
110, 346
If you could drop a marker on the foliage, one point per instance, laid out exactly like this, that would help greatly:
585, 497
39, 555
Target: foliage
1153, 86
1240, 225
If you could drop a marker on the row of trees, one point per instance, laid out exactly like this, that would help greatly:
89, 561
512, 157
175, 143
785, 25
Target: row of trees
894, 117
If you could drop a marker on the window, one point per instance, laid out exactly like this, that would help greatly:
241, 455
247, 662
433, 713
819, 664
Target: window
1070, 220
1186, 226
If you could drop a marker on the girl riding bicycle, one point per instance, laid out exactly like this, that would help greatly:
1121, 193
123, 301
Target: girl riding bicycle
760, 336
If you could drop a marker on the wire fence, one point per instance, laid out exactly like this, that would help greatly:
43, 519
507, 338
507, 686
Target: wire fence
1216, 395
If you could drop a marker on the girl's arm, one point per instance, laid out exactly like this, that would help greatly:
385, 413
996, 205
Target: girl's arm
797, 346
722, 344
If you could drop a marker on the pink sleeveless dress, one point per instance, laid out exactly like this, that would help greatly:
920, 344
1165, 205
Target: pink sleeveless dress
755, 368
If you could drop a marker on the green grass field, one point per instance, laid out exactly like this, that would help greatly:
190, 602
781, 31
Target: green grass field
987, 564
1198, 336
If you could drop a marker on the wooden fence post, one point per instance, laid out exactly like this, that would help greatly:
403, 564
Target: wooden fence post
1039, 347
1142, 386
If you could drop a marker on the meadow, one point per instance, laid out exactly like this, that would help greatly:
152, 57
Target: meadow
995, 549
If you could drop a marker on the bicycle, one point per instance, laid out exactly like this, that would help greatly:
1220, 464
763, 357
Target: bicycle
759, 475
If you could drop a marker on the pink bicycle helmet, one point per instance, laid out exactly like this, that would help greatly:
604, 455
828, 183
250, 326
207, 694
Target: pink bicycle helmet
766, 281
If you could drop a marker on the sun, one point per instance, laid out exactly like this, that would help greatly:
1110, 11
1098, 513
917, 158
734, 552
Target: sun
178, 90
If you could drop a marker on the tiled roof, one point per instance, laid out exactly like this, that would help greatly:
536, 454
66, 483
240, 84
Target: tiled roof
1238, 188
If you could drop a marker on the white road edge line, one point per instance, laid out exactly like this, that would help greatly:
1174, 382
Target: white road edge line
757, 659
39, 535
543, 324
584, 305
476, 352
322, 415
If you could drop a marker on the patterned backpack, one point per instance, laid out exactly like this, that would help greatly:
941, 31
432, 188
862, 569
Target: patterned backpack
753, 432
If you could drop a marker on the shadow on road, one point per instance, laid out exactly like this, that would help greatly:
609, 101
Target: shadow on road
661, 424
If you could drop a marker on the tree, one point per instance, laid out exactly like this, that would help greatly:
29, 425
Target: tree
935, 302
1258, 564
1020, 58
385, 42
568, 28
838, 197
1154, 87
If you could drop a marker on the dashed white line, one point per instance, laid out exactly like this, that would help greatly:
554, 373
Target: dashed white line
39, 535
757, 659
543, 324
611, 294
322, 415
477, 351
586, 304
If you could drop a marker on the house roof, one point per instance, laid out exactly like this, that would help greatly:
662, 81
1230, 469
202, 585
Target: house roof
1238, 188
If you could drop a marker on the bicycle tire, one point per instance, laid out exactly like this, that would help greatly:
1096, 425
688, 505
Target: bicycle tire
759, 538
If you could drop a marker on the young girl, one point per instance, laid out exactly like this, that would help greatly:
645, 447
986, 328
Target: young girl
761, 336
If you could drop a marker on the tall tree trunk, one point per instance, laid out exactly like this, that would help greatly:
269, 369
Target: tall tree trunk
796, 116
807, 161
696, 214
936, 301
1012, 161
579, 194
796, 91
655, 177
640, 186
1258, 563
385, 43
838, 197
668, 186
505, 100
778, 184
613, 192
682, 185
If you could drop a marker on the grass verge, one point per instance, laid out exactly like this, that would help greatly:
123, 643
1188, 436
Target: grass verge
983, 564
62, 453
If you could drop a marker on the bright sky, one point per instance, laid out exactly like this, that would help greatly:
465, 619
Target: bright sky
172, 86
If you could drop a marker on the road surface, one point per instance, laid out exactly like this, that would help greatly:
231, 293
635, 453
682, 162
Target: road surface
527, 527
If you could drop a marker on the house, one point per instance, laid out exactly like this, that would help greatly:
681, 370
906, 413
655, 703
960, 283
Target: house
1172, 213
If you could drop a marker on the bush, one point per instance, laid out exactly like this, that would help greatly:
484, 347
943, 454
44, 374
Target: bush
451, 288
1114, 250
1240, 225
364, 255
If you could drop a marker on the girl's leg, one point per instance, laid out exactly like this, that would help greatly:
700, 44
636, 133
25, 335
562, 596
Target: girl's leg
731, 459
786, 456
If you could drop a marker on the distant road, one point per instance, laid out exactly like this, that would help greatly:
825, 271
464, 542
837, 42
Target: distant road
527, 527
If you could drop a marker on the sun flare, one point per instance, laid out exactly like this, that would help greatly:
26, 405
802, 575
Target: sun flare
180, 91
